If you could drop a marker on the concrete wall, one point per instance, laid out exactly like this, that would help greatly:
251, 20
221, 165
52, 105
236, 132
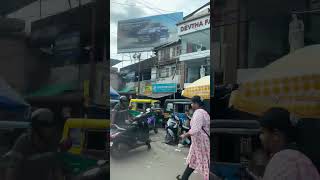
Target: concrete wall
31, 12
20, 67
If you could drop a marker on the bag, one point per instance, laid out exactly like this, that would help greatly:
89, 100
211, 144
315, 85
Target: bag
205, 132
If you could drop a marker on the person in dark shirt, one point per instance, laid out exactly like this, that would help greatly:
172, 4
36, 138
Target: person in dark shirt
38, 141
120, 112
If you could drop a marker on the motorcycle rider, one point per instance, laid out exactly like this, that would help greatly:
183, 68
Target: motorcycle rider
40, 139
120, 112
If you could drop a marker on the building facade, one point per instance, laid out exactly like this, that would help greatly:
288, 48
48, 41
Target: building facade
167, 66
194, 32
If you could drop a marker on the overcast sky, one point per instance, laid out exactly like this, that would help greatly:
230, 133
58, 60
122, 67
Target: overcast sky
128, 9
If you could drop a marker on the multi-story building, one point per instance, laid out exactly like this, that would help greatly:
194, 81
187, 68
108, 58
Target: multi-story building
138, 74
194, 32
167, 65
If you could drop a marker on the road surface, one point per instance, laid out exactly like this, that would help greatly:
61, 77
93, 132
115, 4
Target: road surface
161, 162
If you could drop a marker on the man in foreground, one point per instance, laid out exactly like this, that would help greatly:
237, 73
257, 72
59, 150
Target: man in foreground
30, 157
278, 139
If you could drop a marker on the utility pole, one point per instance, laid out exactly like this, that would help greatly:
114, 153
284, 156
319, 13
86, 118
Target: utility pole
93, 51
40, 9
139, 72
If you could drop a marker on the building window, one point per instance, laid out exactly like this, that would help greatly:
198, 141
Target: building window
166, 54
173, 52
195, 42
164, 73
167, 72
173, 69
178, 50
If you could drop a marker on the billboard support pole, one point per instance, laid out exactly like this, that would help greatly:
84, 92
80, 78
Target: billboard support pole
139, 71
92, 52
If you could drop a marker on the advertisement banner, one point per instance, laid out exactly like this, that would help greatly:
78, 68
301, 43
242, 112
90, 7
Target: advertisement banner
148, 88
143, 34
194, 25
164, 88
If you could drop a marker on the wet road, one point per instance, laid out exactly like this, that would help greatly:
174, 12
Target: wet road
161, 162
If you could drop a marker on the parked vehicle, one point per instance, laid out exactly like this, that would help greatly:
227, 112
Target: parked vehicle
236, 146
176, 106
124, 139
172, 130
87, 137
142, 105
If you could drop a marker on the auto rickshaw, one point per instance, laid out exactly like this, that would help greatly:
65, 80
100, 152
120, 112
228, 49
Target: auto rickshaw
176, 106
235, 147
143, 104
88, 141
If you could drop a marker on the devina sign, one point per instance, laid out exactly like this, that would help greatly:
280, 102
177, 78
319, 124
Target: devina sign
194, 25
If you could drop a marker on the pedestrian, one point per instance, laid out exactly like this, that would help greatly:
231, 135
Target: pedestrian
278, 136
199, 154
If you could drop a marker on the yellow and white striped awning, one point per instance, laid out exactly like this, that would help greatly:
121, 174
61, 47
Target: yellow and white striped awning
291, 82
201, 88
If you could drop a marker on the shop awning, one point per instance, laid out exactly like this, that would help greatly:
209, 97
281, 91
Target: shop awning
53, 90
291, 82
9, 98
201, 88
159, 95
114, 94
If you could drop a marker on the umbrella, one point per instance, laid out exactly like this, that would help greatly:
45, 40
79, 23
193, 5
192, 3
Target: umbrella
113, 94
200, 87
291, 82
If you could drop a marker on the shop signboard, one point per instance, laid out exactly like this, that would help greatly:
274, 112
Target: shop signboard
148, 89
194, 25
143, 34
164, 88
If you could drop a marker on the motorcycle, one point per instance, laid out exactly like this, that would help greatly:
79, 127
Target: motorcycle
124, 139
172, 130
151, 120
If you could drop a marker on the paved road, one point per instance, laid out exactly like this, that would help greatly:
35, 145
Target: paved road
161, 162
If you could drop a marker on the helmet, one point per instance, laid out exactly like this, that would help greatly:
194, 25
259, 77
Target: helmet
123, 99
42, 118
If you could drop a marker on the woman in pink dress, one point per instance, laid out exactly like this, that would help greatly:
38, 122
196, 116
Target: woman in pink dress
199, 153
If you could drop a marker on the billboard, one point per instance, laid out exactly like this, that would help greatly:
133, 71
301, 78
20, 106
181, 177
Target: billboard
143, 34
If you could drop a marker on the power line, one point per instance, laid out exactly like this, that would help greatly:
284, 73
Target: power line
131, 5
176, 20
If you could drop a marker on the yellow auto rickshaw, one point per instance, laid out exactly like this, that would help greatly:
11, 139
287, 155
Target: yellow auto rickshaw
143, 104
87, 137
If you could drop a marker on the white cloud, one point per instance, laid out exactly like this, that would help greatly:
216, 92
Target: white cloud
128, 9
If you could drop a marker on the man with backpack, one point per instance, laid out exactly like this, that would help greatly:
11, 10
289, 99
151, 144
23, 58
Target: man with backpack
278, 137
